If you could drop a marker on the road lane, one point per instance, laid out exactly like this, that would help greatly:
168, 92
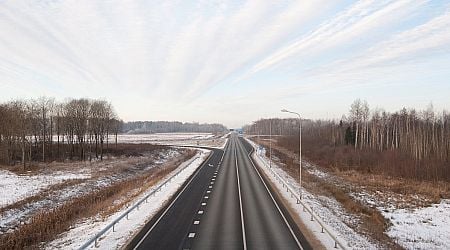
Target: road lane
267, 225
266, 228
170, 227
225, 206
220, 228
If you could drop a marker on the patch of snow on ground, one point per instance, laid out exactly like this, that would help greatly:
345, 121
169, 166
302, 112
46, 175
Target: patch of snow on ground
15, 187
421, 228
175, 139
125, 229
330, 211
159, 137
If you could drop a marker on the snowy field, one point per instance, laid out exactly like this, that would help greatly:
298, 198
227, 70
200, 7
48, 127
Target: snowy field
125, 229
158, 137
177, 139
331, 215
15, 187
412, 228
43, 185
421, 228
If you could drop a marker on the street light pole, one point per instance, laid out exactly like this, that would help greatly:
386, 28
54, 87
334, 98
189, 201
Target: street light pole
270, 143
299, 149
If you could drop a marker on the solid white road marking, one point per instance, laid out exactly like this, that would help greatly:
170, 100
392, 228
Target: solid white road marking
276, 204
240, 203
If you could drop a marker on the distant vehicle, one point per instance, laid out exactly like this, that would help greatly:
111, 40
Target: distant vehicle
211, 165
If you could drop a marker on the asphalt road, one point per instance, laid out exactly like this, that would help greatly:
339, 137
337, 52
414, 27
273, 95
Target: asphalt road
227, 206
169, 228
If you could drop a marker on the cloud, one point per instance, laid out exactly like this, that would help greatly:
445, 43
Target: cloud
402, 52
167, 56
359, 19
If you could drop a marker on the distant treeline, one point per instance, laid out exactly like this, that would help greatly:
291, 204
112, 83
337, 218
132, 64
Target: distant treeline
145, 127
44, 129
407, 143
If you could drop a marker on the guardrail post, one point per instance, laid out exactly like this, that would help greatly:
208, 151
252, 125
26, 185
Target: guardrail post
127, 215
114, 227
335, 244
322, 230
96, 243
137, 207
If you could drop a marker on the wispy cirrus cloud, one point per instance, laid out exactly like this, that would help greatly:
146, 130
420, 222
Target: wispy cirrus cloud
173, 57
358, 20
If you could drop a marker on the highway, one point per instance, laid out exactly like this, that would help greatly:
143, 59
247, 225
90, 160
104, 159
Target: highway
228, 205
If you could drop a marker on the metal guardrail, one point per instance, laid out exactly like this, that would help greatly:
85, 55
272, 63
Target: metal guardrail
305, 207
95, 240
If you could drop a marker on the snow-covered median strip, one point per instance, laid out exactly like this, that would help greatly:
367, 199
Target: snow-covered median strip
329, 219
126, 228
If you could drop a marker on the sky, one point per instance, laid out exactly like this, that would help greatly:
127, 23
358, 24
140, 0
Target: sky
230, 62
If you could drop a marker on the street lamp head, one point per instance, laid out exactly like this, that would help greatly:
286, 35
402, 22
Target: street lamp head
284, 110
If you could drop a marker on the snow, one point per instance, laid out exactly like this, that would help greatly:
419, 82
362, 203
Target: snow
125, 229
175, 139
90, 176
413, 226
146, 138
330, 212
15, 187
421, 228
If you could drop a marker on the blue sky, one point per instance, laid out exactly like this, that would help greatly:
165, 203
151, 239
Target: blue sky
228, 61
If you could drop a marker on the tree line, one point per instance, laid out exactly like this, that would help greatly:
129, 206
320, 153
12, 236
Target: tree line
146, 127
407, 142
46, 130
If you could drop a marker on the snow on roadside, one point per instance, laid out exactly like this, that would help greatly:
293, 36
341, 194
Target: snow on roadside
15, 187
421, 228
125, 229
333, 214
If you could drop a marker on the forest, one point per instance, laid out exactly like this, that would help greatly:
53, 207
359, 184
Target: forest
145, 127
46, 130
406, 143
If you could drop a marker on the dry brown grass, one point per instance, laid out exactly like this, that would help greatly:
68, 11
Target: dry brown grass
46, 225
434, 191
371, 221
